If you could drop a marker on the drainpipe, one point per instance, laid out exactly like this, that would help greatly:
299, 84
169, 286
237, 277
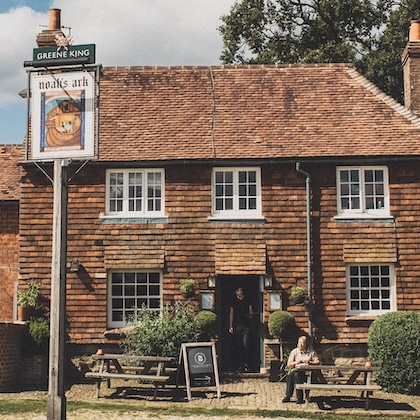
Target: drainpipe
308, 244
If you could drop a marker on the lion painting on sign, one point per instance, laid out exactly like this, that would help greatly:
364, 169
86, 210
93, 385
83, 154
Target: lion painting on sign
63, 122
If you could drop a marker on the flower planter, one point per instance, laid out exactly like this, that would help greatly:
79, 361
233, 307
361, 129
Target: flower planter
24, 313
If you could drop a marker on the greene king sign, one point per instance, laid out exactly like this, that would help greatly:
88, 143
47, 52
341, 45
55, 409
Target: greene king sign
69, 54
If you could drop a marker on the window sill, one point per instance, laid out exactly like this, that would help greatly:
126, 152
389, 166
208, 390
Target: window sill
118, 220
361, 319
232, 219
345, 218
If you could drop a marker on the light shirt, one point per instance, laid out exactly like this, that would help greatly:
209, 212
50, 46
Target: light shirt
302, 356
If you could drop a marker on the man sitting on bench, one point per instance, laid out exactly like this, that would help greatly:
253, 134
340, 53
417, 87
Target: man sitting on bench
298, 356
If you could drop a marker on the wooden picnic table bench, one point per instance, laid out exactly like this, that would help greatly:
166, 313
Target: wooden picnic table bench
316, 380
112, 366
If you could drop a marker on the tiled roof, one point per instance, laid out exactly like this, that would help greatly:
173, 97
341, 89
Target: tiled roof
261, 112
10, 172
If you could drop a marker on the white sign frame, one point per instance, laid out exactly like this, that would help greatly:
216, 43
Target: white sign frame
63, 115
184, 360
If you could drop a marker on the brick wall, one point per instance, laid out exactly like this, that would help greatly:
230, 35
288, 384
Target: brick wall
9, 250
188, 243
9, 355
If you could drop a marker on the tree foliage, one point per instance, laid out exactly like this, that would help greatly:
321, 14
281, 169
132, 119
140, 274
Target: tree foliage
370, 34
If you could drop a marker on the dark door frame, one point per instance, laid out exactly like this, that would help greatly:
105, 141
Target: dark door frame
225, 288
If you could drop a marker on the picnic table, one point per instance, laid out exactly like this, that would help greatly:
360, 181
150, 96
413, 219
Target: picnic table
331, 377
149, 369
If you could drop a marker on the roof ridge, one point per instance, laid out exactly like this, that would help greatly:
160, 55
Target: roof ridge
227, 66
388, 100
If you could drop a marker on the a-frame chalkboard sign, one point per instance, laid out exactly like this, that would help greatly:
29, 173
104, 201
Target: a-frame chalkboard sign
200, 367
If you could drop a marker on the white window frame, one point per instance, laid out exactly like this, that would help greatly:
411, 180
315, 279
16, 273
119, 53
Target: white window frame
127, 298
369, 289
236, 212
125, 211
362, 211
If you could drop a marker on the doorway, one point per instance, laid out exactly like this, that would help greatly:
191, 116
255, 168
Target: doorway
226, 286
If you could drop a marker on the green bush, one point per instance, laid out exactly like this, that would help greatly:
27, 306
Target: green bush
30, 297
39, 330
35, 336
394, 345
207, 320
161, 333
281, 324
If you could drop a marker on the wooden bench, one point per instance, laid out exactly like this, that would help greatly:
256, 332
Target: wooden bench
366, 389
150, 378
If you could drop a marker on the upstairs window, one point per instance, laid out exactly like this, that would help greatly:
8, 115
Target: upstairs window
363, 191
130, 292
135, 192
236, 192
370, 289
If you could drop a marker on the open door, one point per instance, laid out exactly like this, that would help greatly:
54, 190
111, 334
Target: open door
226, 286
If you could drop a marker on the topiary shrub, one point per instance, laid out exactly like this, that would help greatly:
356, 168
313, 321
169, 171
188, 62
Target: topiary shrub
161, 333
394, 345
207, 320
281, 324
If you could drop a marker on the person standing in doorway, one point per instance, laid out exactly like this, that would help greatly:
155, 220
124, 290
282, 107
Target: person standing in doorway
240, 315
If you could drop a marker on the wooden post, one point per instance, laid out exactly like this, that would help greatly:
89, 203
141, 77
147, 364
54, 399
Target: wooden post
56, 409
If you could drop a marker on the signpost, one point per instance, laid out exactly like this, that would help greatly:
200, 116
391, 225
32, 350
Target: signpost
56, 409
64, 114
200, 367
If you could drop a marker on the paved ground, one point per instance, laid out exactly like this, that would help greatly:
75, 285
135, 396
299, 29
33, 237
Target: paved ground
238, 391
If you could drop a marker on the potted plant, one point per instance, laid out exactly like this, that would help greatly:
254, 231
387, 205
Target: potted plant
299, 294
281, 324
207, 320
187, 287
29, 301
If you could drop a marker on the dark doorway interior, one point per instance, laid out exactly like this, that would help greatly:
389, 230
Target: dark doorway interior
226, 286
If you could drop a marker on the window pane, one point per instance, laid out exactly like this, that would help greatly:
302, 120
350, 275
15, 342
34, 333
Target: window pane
370, 288
127, 190
354, 282
354, 176
141, 290
133, 291
235, 190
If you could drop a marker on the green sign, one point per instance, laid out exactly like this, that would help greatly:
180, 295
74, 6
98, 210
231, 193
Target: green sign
69, 54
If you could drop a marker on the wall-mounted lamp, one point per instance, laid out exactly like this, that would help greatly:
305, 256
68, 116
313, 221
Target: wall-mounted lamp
211, 281
75, 266
267, 281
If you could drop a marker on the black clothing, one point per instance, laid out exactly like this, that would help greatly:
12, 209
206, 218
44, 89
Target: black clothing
240, 324
240, 313
293, 378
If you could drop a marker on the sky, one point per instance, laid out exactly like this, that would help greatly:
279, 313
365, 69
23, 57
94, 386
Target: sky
126, 33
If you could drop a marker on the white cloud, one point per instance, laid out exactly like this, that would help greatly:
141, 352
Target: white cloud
127, 33
19, 28
148, 32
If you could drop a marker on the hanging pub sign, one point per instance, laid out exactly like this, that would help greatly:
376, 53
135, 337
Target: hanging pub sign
63, 115
200, 367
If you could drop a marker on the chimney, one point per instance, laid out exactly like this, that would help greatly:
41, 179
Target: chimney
411, 69
46, 38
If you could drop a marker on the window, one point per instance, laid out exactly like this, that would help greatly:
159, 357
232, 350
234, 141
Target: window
370, 289
363, 191
236, 192
135, 192
131, 291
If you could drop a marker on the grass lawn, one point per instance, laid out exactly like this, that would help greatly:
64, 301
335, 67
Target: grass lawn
37, 407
